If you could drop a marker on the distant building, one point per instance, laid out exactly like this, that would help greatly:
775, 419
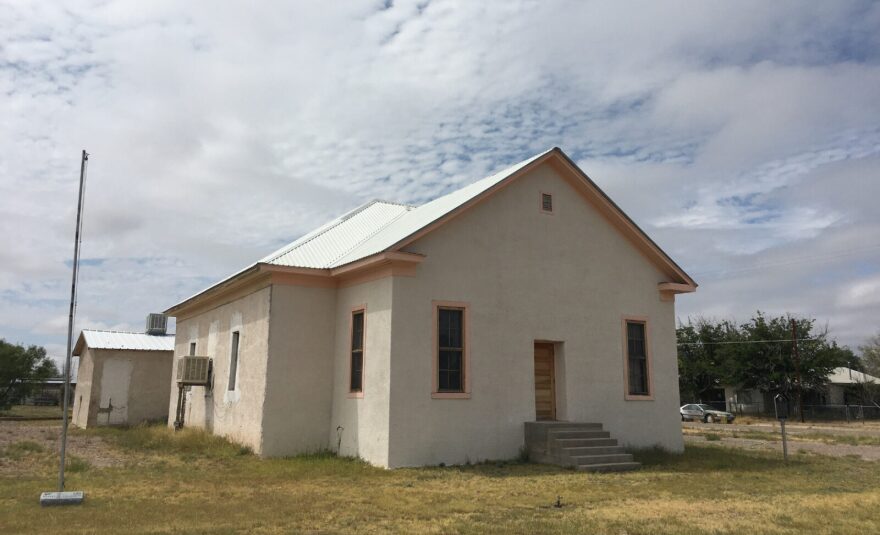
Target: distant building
51, 391
840, 390
123, 376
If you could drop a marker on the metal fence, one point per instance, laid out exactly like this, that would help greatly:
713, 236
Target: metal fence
847, 413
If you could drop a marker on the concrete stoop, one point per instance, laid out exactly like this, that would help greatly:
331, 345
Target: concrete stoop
582, 446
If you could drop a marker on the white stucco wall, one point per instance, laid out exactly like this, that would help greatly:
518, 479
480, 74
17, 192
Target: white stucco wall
119, 387
236, 414
300, 369
82, 398
359, 425
567, 277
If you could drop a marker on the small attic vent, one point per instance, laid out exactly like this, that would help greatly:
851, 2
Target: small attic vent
546, 202
157, 324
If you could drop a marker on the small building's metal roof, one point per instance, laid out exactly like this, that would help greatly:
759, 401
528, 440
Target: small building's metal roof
122, 340
848, 376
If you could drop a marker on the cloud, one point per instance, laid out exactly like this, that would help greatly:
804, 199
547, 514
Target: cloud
737, 135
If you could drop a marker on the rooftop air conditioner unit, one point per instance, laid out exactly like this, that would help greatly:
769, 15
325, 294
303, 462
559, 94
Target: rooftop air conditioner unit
157, 324
194, 371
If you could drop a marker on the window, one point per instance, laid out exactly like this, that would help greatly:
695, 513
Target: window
233, 360
192, 348
546, 203
450, 350
356, 378
638, 367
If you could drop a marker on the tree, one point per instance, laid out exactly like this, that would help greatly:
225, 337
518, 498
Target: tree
871, 355
755, 355
21, 369
699, 366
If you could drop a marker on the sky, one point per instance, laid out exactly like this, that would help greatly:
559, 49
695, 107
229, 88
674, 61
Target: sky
744, 137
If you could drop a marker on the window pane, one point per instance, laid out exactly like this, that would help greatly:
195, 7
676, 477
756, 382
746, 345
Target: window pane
233, 361
357, 352
357, 371
357, 330
450, 330
637, 361
450, 371
547, 202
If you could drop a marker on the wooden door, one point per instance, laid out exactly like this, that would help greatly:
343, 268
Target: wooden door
545, 382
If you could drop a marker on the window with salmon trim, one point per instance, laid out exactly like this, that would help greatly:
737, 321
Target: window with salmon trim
356, 375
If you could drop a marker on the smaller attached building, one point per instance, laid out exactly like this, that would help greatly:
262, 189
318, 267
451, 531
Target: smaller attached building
123, 377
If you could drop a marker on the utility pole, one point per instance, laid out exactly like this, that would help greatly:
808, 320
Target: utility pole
797, 368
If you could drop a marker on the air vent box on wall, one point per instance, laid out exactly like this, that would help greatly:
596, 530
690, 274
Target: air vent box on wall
194, 371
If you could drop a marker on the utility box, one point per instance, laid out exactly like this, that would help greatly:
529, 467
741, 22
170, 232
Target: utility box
157, 324
194, 371
781, 404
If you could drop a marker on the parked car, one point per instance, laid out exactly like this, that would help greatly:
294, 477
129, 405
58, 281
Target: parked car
704, 413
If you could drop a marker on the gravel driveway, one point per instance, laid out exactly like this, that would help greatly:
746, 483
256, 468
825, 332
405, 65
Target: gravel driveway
867, 453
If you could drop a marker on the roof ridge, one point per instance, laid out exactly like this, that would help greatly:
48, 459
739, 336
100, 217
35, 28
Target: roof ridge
320, 231
124, 332
408, 207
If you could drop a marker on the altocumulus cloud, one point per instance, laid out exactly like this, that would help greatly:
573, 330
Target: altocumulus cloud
743, 137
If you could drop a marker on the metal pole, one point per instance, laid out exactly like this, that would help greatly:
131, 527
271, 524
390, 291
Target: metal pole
797, 369
784, 441
76, 242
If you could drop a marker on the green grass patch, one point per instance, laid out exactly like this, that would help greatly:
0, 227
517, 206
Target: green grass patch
33, 411
188, 443
713, 437
18, 450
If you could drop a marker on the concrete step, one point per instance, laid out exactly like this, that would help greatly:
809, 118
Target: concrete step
609, 467
574, 425
578, 434
563, 443
583, 460
592, 450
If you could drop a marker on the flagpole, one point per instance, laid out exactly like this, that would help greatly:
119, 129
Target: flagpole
62, 497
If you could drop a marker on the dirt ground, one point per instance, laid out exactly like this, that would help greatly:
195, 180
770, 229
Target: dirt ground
47, 434
871, 428
867, 453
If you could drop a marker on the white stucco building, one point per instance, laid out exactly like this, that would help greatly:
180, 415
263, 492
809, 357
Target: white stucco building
419, 335
122, 377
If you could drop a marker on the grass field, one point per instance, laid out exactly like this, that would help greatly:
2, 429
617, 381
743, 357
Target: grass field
190, 482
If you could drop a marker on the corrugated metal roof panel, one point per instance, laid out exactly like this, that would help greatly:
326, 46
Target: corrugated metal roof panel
127, 340
371, 228
847, 376
422, 216
321, 248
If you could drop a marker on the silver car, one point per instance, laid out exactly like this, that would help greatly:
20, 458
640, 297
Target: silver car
704, 413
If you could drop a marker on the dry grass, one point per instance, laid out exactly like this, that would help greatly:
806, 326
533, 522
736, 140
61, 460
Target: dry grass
194, 483
796, 435
33, 411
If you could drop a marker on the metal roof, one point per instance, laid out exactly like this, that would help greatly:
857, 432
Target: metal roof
376, 226
95, 339
848, 376
323, 247
379, 226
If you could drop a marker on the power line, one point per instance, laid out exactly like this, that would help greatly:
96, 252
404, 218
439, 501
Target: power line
800, 260
789, 340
